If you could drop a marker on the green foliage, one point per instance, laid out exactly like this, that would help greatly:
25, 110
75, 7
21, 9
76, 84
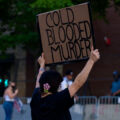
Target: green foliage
98, 7
117, 2
20, 18
7, 41
48, 5
21, 23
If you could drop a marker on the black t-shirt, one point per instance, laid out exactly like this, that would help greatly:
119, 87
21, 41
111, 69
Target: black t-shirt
52, 107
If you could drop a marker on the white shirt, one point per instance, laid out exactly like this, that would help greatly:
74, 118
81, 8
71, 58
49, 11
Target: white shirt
7, 98
65, 83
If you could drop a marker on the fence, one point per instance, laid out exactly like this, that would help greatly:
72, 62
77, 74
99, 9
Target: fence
86, 108
109, 108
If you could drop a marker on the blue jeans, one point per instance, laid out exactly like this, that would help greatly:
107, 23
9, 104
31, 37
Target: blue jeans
8, 107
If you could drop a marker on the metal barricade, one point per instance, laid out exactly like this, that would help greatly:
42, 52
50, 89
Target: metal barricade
102, 108
85, 108
109, 108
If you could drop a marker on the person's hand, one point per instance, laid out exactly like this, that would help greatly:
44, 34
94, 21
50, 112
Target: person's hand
16, 91
41, 61
94, 55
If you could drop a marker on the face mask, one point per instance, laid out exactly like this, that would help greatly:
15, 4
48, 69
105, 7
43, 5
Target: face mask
13, 88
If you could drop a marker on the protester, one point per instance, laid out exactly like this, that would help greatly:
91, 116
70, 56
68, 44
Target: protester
9, 95
49, 104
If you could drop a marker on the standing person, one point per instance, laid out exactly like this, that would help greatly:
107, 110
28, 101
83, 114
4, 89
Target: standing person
115, 89
49, 104
9, 95
67, 80
116, 83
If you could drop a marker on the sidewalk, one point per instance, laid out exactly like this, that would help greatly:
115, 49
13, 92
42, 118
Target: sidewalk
27, 116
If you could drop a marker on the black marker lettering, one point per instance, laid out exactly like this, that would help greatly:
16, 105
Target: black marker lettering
49, 20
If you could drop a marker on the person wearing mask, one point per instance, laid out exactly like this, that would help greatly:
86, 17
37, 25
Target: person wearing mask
9, 96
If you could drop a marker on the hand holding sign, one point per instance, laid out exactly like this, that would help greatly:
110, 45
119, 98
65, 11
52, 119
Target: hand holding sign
41, 61
95, 55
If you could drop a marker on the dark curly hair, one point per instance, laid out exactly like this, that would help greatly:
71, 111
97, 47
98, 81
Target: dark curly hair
53, 78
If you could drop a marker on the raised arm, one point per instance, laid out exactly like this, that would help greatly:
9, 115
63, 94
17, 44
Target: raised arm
83, 75
41, 61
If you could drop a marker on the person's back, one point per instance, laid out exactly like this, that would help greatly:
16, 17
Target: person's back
49, 104
52, 107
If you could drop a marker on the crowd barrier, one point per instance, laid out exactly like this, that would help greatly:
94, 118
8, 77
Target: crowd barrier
86, 108
109, 108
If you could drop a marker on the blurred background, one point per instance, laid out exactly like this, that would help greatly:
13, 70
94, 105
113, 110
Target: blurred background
20, 44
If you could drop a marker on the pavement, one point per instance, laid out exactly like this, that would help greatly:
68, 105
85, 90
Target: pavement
76, 113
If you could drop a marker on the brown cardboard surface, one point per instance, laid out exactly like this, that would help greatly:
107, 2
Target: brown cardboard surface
66, 34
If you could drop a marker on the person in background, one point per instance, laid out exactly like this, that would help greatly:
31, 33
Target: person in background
115, 89
67, 80
116, 83
49, 104
9, 95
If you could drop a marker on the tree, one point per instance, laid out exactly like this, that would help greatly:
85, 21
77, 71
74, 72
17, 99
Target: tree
117, 2
18, 22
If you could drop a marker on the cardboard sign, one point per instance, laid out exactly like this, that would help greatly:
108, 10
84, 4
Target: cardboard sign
66, 34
